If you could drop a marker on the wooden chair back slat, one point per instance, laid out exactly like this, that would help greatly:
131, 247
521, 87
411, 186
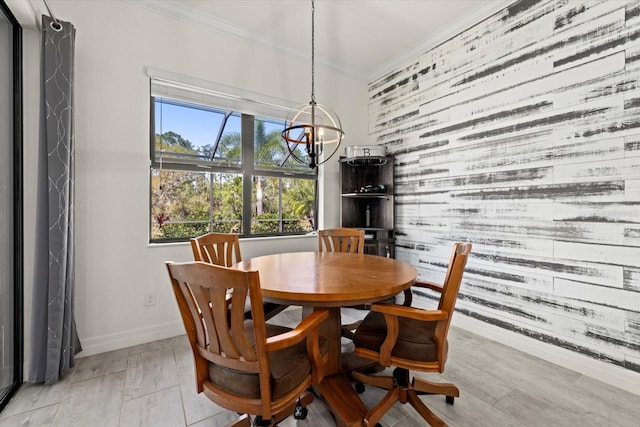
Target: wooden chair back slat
341, 239
183, 294
218, 318
238, 336
203, 298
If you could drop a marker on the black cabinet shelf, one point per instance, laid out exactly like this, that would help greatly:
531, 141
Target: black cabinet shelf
367, 195
357, 173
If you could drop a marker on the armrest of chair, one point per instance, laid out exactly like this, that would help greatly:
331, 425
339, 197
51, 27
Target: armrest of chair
409, 312
408, 297
309, 327
429, 285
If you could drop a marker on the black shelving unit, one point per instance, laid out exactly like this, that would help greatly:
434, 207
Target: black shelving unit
368, 182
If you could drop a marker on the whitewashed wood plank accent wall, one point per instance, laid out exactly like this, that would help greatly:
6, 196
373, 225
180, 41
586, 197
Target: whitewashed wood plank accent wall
522, 136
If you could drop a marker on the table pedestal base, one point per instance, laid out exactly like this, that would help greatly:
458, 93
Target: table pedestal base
344, 403
335, 389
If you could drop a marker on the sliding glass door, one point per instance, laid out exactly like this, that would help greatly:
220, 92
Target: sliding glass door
10, 205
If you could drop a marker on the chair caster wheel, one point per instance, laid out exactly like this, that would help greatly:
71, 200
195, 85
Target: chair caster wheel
449, 400
259, 421
300, 413
359, 388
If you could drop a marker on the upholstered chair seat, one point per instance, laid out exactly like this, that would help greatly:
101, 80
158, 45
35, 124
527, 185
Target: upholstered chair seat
289, 367
415, 337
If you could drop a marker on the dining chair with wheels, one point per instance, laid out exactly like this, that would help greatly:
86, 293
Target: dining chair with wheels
224, 249
246, 365
409, 338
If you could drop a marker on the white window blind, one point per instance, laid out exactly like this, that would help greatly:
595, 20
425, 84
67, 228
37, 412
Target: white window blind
165, 84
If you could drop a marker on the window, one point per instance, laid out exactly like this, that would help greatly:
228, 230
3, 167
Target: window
220, 165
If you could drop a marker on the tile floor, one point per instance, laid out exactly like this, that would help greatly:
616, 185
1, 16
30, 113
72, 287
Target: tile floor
153, 385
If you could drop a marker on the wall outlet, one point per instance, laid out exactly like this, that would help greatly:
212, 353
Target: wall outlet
149, 299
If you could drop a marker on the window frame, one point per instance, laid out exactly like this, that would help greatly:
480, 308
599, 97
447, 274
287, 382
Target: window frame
247, 169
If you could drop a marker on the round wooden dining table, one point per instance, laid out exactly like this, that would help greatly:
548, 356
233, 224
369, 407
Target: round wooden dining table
330, 280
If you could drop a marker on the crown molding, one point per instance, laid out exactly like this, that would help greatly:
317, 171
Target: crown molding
488, 9
176, 10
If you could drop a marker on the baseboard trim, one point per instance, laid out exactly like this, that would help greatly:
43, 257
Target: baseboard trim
116, 341
602, 371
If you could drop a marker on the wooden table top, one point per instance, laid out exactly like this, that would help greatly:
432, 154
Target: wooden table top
329, 279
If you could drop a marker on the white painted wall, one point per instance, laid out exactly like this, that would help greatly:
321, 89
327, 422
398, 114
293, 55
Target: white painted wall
115, 265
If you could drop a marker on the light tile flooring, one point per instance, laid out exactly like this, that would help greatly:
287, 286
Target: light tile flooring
153, 385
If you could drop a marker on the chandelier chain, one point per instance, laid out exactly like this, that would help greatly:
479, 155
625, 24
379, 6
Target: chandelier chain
313, 55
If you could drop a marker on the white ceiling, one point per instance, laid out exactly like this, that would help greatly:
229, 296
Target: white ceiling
360, 38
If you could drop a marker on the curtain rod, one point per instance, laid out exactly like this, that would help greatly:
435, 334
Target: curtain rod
55, 24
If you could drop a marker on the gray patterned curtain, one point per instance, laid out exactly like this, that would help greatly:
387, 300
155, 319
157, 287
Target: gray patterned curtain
54, 340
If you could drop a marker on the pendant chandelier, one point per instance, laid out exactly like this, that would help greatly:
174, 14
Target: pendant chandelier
313, 125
